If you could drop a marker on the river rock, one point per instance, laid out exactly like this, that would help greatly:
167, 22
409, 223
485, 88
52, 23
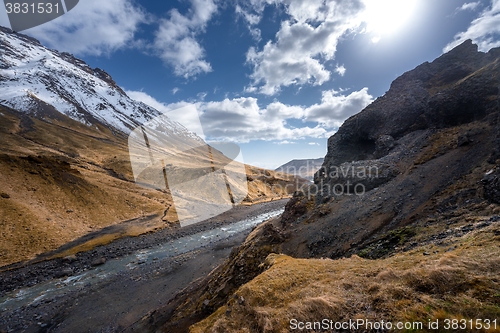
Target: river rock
63, 272
491, 185
69, 259
98, 262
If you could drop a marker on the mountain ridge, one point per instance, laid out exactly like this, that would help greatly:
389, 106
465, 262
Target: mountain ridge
305, 168
33, 74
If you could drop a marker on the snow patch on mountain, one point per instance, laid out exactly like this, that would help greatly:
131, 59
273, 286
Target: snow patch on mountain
30, 73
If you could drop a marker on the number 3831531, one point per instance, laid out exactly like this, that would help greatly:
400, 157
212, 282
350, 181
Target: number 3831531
32, 8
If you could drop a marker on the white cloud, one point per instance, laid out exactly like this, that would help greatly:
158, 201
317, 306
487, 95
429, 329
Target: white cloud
94, 27
285, 142
146, 99
175, 91
201, 96
251, 12
340, 70
484, 31
472, 6
175, 40
251, 19
303, 44
243, 120
313, 144
335, 108
97, 27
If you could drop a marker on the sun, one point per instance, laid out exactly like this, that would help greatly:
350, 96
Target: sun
386, 17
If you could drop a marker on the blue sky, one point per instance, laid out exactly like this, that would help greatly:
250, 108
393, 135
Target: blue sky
278, 77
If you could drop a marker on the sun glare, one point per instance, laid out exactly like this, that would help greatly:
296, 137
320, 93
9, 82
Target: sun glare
387, 17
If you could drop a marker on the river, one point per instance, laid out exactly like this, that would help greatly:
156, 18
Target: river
122, 290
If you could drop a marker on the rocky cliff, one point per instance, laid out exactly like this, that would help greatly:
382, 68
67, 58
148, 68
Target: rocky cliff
456, 88
411, 155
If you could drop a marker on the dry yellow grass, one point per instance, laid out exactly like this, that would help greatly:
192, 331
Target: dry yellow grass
462, 284
59, 183
61, 180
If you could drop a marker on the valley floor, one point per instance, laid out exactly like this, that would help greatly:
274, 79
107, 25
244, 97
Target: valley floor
68, 299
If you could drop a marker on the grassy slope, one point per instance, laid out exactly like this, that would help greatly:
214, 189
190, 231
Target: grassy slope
410, 287
61, 180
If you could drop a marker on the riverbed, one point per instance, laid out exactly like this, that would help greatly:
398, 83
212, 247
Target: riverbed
113, 295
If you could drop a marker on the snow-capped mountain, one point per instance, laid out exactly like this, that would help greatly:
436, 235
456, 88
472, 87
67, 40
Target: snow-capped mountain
32, 75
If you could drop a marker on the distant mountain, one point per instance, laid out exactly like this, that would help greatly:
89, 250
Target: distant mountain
302, 168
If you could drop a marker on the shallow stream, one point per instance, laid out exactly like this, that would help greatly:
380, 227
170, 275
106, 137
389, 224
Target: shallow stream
54, 288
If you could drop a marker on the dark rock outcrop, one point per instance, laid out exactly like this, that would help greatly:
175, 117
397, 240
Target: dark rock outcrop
103, 75
436, 94
491, 184
459, 87
383, 145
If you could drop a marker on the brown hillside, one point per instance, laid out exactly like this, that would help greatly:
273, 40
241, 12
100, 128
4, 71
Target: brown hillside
62, 180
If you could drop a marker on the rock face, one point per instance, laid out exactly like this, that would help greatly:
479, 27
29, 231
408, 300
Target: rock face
491, 183
418, 151
426, 97
459, 87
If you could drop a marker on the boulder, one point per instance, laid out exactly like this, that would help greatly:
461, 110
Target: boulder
491, 185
